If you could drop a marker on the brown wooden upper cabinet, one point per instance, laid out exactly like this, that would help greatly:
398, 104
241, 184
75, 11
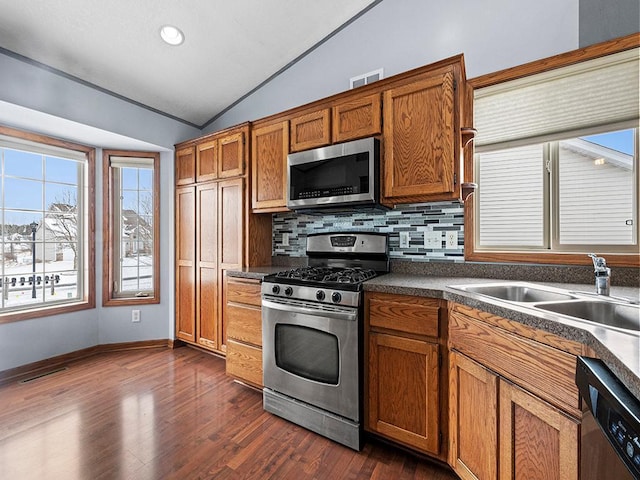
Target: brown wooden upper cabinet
357, 118
419, 140
310, 130
215, 156
206, 161
269, 148
185, 165
231, 155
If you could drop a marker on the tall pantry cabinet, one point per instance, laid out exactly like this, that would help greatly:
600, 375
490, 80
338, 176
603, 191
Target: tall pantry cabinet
215, 231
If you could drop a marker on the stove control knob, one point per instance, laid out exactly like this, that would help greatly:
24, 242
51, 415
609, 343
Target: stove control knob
336, 297
275, 289
319, 295
288, 291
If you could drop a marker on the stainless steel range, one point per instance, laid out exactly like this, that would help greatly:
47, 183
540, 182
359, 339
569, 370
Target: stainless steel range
312, 334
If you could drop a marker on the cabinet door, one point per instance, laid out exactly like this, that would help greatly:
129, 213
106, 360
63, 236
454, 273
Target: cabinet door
536, 439
269, 148
207, 266
269, 145
230, 220
358, 118
230, 237
404, 391
473, 421
419, 138
185, 166
206, 161
231, 155
185, 263
311, 130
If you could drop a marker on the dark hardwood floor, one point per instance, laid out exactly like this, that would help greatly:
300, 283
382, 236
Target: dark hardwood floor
161, 413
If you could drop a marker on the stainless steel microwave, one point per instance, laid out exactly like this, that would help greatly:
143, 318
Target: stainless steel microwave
338, 176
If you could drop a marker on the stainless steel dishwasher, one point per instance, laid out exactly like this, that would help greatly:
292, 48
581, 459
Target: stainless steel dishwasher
610, 438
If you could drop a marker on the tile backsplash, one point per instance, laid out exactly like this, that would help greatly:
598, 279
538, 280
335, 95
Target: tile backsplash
426, 227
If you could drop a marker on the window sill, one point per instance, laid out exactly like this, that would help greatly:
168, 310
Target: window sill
45, 311
613, 259
121, 302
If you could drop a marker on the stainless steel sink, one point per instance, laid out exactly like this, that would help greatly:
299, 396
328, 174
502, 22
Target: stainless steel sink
516, 292
602, 310
606, 313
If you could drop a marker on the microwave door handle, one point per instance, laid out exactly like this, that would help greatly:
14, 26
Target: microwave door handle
287, 307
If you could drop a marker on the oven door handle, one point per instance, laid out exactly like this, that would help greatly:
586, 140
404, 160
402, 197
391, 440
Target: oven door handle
288, 307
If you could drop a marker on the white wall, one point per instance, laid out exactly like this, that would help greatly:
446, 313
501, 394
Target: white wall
399, 35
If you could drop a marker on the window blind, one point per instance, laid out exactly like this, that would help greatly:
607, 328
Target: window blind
131, 162
24, 145
602, 92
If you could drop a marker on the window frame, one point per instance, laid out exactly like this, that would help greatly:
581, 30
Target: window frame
549, 171
87, 294
109, 295
472, 253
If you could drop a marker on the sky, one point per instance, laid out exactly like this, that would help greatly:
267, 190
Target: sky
622, 141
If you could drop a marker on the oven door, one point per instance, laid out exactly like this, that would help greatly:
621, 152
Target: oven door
311, 353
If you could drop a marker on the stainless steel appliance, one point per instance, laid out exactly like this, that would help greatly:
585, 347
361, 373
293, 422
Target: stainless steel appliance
341, 175
610, 430
312, 334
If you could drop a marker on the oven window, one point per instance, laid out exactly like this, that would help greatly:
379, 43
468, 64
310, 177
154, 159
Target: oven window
308, 353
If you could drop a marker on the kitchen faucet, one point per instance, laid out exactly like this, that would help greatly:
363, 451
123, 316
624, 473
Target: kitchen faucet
603, 274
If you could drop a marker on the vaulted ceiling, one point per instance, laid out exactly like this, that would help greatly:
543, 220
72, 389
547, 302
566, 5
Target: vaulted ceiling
230, 47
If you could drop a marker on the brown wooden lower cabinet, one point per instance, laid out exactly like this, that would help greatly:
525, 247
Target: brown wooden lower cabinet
473, 422
403, 390
403, 378
536, 439
498, 428
243, 320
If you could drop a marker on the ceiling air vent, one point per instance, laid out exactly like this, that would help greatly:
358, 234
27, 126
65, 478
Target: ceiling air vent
366, 78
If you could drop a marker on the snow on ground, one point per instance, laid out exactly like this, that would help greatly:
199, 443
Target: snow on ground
66, 287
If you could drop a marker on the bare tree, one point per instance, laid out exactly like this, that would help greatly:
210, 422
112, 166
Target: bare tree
64, 225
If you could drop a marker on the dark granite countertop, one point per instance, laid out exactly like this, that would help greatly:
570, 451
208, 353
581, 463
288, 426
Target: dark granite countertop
256, 273
618, 349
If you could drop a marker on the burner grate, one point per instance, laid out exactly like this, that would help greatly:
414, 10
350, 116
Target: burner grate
329, 274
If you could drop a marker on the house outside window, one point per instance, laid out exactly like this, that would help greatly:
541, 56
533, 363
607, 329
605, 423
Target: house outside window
46, 218
131, 219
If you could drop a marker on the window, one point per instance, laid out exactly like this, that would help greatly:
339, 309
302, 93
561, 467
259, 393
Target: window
47, 225
557, 163
131, 221
571, 195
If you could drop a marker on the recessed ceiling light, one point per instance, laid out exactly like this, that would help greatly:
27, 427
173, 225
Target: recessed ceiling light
171, 35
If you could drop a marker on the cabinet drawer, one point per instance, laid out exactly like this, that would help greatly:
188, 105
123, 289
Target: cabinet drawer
244, 324
244, 362
414, 315
543, 370
244, 292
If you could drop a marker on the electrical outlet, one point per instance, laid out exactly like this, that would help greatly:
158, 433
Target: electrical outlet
135, 316
432, 239
404, 239
452, 240
285, 239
